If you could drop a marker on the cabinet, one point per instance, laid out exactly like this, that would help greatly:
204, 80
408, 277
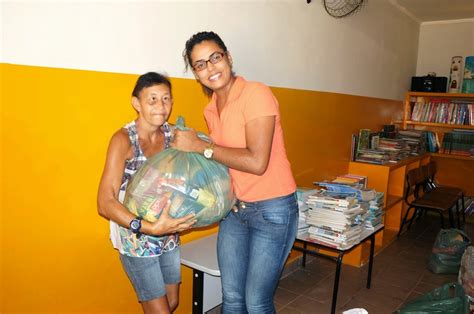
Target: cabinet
390, 179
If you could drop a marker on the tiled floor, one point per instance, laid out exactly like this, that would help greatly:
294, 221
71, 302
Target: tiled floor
399, 275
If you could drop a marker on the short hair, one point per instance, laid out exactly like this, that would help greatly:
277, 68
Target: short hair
197, 39
150, 79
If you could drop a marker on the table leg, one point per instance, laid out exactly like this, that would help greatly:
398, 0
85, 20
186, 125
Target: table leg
371, 260
451, 220
457, 214
336, 282
198, 291
305, 245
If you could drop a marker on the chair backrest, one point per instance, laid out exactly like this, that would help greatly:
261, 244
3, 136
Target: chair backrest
413, 179
426, 178
432, 172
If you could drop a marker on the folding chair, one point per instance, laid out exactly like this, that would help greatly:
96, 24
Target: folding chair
433, 185
424, 200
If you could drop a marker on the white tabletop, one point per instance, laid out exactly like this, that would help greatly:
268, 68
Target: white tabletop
201, 254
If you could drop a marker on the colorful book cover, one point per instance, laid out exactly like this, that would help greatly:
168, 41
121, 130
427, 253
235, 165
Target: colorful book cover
364, 139
468, 79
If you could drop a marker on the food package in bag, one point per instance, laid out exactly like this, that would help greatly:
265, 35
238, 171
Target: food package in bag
189, 182
466, 272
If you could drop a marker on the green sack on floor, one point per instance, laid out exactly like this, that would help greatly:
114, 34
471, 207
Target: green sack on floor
448, 299
447, 251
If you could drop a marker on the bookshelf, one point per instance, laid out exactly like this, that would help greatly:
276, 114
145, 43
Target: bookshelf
455, 170
439, 113
390, 179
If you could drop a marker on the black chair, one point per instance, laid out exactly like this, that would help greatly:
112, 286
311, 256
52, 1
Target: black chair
433, 185
425, 200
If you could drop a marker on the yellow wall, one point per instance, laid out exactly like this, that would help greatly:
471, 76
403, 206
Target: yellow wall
56, 125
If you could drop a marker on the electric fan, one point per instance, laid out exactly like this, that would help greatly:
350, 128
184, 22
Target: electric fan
341, 8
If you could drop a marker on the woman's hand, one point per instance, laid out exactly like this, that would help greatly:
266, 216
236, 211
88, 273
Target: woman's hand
168, 225
188, 141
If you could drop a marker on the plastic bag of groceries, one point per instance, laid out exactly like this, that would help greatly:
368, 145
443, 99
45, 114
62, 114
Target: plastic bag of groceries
188, 181
466, 272
447, 251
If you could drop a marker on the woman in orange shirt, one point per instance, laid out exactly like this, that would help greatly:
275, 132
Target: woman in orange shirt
243, 119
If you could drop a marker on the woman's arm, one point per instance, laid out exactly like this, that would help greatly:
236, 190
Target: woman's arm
252, 159
107, 200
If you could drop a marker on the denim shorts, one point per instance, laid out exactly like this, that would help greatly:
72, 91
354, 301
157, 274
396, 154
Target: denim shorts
149, 275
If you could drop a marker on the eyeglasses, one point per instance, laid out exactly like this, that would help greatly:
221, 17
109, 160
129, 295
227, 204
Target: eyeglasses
216, 57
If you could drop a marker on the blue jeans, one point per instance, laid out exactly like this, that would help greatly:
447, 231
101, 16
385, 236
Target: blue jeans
253, 244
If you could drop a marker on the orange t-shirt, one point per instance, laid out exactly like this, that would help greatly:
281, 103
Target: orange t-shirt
248, 101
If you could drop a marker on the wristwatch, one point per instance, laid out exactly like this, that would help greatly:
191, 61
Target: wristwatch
209, 151
136, 225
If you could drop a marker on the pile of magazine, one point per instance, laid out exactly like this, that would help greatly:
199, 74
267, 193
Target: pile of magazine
335, 218
371, 202
302, 196
374, 215
416, 140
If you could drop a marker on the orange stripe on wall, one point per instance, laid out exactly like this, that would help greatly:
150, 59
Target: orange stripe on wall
56, 124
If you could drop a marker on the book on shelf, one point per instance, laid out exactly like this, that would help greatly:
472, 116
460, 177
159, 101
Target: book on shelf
364, 139
374, 140
459, 143
445, 111
354, 140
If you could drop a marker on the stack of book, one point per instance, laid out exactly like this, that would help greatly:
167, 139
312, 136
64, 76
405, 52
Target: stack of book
372, 156
359, 190
375, 213
396, 147
416, 140
351, 179
335, 219
371, 201
302, 196
371, 148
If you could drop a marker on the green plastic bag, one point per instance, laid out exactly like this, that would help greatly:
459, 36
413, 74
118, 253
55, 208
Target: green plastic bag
186, 182
447, 251
449, 299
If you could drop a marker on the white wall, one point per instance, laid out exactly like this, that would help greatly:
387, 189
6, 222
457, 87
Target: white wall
285, 43
1, 31
440, 41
